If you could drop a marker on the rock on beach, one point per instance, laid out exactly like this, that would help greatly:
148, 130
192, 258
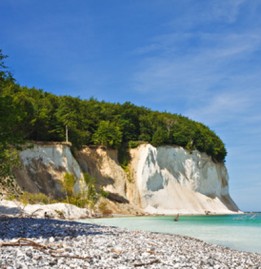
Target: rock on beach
56, 210
50, 243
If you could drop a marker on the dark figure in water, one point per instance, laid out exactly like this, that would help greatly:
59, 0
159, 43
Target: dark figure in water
176, 218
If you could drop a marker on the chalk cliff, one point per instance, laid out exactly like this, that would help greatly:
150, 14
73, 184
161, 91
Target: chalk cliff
172, 180
163, 180
44, 167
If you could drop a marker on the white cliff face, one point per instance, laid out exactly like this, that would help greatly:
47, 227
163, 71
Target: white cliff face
45, 166
171, 180
55, 156
163, 180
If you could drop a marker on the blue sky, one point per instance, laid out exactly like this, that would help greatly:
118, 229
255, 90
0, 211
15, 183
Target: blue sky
198, 58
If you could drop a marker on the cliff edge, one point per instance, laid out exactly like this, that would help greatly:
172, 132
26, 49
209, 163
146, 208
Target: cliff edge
163, 180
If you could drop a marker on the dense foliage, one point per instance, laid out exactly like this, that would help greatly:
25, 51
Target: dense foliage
9, 130
32, 114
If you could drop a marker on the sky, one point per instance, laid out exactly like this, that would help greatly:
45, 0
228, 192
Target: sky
201, 59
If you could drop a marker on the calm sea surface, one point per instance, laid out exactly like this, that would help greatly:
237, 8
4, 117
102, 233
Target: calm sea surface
241, 232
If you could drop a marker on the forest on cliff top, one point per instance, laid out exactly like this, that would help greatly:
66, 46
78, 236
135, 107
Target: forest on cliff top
30, 114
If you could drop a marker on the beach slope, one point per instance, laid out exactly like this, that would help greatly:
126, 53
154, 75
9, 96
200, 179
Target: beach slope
46, 243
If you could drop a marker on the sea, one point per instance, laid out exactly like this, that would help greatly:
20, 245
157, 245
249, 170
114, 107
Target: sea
239, 232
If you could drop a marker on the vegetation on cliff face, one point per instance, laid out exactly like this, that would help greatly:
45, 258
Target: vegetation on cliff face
32, 114
9, 129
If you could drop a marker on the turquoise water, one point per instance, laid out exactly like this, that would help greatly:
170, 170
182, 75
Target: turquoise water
240, 232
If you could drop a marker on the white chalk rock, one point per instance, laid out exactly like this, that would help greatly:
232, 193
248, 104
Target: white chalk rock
172, 180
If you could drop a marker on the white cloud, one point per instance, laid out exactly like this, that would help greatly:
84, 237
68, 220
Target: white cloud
192, 14
189, 71
221, 107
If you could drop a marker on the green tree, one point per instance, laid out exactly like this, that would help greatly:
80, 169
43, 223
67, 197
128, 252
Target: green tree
160, 137
10, 134
69, 114
128, 119
182, 133
108, 134
32, 114
5, 75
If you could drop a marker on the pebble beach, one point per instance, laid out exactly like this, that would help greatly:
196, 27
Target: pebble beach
50, 243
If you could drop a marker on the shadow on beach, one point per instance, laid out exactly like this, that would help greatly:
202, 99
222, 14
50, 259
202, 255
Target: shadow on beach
11, 228
10, 210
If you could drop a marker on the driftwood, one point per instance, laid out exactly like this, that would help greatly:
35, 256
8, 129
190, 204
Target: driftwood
24, 242
30, 215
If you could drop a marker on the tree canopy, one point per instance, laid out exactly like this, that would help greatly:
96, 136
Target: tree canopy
33, 114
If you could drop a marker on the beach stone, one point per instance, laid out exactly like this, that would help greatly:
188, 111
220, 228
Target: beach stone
110, 247
51, 239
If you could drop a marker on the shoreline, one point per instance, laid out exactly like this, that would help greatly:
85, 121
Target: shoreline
180, 214
71, 212
71, 244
